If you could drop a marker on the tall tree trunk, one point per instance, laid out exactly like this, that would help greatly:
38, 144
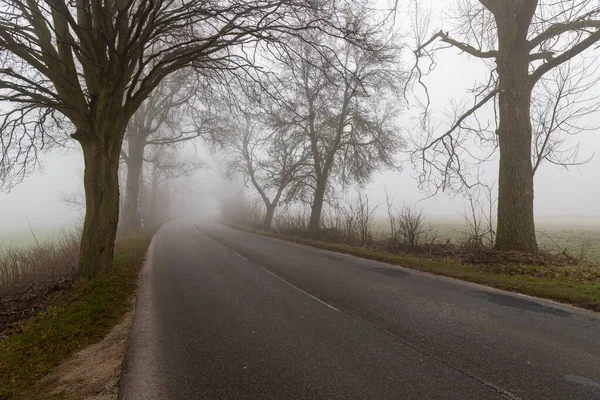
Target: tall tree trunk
154, 195
101, 182
130, 220
166, 203
268, 220
516, 225
317, 205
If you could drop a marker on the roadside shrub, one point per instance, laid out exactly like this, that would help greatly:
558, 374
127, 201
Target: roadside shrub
242, 210
48, 261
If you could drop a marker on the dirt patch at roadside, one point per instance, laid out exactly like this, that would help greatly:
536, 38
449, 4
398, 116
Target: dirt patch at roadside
92, 373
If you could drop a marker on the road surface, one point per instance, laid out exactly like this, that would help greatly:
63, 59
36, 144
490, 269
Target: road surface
223, 314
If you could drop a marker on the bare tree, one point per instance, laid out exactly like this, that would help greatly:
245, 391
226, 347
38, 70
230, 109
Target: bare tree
342, 101
172, 114
270, 160
526, 39
166, 167
88, 66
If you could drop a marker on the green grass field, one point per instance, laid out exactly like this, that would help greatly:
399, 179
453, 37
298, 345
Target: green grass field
574, 240
23, 237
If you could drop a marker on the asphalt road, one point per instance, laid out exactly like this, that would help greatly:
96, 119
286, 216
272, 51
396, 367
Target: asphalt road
223, 314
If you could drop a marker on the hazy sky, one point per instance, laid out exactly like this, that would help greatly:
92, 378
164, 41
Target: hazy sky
558, 193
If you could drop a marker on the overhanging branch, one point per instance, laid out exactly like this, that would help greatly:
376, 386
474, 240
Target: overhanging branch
464, 116
467, 48
558, 29
566, 56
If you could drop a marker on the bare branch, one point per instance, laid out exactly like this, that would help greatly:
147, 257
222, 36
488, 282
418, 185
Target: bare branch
444, 37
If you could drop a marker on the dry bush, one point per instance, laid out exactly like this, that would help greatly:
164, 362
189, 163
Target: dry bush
333, 217
292, 220
479, 217
411, 225
364, 215
352, 219
407, 226
241, 210
349, 221
32, 278
583, 253
48, 261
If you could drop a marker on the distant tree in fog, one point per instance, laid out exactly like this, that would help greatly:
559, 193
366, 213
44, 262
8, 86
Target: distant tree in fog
173, 114
270, 160
165, 169
342, 100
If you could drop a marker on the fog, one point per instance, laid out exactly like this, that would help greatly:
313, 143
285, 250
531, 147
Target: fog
568, 196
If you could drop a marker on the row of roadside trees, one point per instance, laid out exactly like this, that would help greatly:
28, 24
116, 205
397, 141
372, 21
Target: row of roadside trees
86, 68
536, 96
305, 93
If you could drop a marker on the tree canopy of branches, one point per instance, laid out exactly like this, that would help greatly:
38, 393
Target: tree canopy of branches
521, 42
87, 66
342, 100
272, 161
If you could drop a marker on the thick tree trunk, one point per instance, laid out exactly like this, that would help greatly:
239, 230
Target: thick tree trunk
268, 220
317, 206
516, 226
130, 220
101, 182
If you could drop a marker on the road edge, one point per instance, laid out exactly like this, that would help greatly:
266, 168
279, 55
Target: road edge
317, 246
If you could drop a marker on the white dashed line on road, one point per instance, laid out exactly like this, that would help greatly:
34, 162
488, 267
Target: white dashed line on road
303, 291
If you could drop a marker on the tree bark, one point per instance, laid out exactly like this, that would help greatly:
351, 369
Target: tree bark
130, 220
516, 225
152, 217
268, 220
317, 206
101, 152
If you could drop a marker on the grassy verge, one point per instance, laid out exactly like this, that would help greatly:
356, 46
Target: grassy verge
82, 317
576, 285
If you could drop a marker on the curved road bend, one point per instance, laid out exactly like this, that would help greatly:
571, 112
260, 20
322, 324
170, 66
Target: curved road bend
223, 314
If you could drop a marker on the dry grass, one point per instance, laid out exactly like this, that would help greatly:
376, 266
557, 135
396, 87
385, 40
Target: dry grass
33, 277
43, 262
